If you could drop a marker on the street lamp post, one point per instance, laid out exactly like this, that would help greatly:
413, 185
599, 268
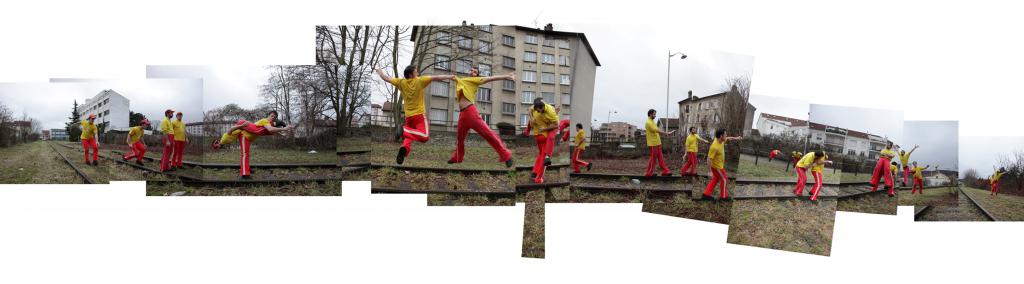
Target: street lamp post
668, 81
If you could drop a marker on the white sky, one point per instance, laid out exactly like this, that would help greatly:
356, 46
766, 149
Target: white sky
222, 85
51, 103
982, 152
885, 123
937, 140
933, 60
787, 107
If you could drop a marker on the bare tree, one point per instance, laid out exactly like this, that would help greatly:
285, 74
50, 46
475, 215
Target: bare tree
6, 126
1014, 166
346, 57
732, 114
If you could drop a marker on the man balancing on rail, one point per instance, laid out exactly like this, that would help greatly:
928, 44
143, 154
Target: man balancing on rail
994, 181
918, 178
904, 159
816, 161
469, 117
690, 165
654, 144
412, 87
88, 137
136, 148
543, 122
167, 130
245, 132
581, 144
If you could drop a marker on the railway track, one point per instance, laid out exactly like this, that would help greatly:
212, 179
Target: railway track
256, 166
985, 212
769, 189
78, 171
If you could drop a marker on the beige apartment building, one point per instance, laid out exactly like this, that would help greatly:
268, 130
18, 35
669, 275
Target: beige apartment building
615, 132
558, 66
706, 114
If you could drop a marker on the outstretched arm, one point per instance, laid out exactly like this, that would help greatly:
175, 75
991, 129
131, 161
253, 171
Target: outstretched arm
275, 130
441, 77
509, 76
727, 139
383, 76
912, 150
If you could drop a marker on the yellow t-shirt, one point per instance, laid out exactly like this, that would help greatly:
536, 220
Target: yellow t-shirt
229, 138
412, 93
135, 134
820, 166
996, 176
653, 137
543, 119
467, 87
805, 161
905, 159
178, 127
797, 155
888, 153
166, 126
716, 153
917, 172
581, 142
691, 143
89, 130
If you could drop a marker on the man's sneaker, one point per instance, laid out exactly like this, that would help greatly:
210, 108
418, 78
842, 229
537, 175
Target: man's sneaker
509, 163
247, 177
590, 165
401, 155
538, 180
95, 163
547, 161
137, 162
450, 161
666, 174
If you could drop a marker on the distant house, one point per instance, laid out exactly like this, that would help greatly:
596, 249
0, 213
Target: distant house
704, 113
616, 132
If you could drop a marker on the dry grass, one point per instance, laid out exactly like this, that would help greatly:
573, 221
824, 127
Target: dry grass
533, 224
331, 188
790, 225
776, 170
35, 163
964, 210
874, 203
945, 196
1004, 207
679, 204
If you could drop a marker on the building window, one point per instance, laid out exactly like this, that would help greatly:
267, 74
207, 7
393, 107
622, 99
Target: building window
462, 66
443, 38
438, 116
549, 97
531, 39
566, 99
465, 42
524, 119
439, 89
564, 79
508, 62
485, 69
527, 97
441, 62
530, 56
548, 58
563, 44
486, 118
508, 40
508, 108
549, 42
485, 47
508, 85
485, 28
529, 76
483, 94
563, 60
547, 78
455, 117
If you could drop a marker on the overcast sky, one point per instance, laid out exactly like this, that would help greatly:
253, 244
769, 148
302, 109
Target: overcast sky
882, 122
788, 107
982, 152
937, 140
51, 103
222, 85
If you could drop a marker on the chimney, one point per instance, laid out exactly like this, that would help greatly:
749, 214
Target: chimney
549, 27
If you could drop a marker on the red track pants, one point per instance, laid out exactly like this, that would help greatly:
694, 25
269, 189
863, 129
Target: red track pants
801, 182
882, 170
718, 175
691, 164
90, 144
166, 157
469, 118
137, 151
576, 162
542, 146
179, 150
918, 186
414, 129
995, 188
656, 158
244, 144
562, 125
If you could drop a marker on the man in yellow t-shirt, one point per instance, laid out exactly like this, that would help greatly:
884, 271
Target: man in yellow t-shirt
136, 148
918, 179
995, 180
690, 166
543, 122
412, 88
180, 140
716, 161
245, 132
882, 169
580, 143
815, 160
796, 155
88, 137
469, 117
167, 130
905, 161
654, 144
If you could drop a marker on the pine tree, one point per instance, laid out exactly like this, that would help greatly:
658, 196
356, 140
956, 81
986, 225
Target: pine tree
74, 132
